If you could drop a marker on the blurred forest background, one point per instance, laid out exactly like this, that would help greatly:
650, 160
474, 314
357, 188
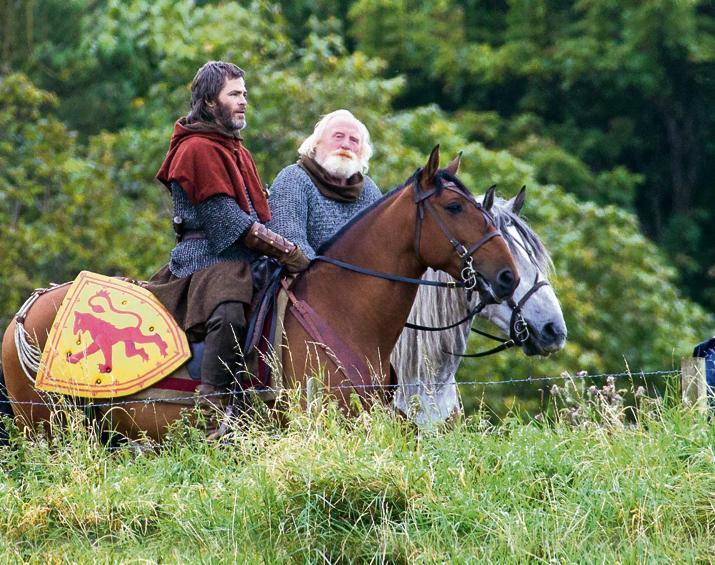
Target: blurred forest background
605, 109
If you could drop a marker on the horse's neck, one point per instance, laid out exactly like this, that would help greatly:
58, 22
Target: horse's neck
382, 240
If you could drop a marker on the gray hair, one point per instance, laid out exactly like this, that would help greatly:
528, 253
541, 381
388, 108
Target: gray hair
307, 148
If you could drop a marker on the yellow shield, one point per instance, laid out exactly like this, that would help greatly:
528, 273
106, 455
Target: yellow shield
110, 338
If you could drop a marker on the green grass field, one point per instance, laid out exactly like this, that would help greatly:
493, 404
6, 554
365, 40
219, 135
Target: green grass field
323, 489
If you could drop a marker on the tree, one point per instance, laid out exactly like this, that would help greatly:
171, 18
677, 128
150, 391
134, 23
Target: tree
60, 209
597, 94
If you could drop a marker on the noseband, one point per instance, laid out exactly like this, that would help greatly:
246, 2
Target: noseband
470, 278
518, 328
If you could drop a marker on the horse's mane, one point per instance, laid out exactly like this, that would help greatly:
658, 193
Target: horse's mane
504, 218
441, 178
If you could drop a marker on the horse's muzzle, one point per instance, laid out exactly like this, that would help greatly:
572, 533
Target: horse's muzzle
503, 287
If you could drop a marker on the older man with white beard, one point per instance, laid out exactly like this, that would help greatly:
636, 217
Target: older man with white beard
314, 198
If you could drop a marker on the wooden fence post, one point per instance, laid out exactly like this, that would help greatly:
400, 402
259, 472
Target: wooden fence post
694, 385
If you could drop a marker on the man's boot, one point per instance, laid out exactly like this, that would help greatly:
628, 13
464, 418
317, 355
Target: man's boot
222, 357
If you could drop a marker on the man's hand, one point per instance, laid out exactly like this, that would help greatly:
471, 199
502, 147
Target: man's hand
267, 242
295, 261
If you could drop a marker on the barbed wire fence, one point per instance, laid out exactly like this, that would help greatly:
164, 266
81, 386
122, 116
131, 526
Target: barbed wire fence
695, 395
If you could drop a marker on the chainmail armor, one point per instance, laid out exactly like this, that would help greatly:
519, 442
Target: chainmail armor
224, 224
304, 216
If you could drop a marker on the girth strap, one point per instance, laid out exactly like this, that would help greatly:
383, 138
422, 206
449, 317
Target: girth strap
350, 364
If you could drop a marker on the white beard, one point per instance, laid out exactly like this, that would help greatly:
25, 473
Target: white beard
341, 166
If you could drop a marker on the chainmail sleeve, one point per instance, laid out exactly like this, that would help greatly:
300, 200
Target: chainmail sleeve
223, 222
289, 204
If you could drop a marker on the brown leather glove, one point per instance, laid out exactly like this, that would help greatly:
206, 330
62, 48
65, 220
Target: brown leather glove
267, 242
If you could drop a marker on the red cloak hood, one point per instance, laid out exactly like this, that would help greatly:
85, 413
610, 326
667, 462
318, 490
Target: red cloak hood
206, 162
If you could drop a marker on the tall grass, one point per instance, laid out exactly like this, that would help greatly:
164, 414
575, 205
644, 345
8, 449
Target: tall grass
371, 489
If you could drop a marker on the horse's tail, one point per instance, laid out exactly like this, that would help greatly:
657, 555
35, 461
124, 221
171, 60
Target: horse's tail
5, 408
99, 310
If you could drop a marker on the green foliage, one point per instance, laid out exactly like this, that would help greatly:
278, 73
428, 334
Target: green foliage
552, 164
621, 92
60, 209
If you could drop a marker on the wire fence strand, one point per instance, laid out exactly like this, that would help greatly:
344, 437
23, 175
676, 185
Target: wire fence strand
581, 375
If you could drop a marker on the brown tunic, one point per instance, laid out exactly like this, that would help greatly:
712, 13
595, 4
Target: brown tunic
192, 299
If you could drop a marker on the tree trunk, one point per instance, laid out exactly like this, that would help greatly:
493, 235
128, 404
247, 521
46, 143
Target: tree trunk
680, 124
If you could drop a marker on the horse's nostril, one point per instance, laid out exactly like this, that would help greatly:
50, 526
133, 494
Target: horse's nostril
553, 333
506, 279
549, 330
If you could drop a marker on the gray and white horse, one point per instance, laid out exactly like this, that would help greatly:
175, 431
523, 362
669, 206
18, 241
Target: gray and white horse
423, 360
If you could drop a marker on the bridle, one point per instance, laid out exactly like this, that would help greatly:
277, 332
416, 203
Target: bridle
518, 327
471, 279
468, 274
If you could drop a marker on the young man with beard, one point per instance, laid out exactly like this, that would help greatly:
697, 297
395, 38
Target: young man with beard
314, 198
219, 211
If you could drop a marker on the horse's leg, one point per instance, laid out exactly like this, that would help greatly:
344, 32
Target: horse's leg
5, 409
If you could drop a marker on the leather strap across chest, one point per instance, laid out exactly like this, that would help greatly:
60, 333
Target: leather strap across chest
349, 363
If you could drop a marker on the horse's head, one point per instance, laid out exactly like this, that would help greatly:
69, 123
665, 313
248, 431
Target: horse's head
458, 235
534, 303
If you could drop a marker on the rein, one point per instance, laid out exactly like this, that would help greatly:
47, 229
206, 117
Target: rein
386, 276
470, 278
518, 328
473, 312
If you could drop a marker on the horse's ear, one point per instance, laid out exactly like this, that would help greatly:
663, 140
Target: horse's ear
518, 201
453, 167
430, 170
488, 200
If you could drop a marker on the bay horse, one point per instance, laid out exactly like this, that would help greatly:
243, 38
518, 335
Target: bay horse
427, 361
358, 294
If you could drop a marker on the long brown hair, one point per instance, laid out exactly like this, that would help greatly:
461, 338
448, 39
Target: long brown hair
206, 87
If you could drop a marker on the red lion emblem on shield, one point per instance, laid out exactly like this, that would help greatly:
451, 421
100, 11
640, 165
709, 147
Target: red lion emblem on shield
104, 334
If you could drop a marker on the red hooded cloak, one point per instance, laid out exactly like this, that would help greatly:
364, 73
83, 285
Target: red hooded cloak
206, 163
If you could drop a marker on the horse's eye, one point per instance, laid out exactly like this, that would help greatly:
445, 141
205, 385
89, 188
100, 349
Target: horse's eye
453, 207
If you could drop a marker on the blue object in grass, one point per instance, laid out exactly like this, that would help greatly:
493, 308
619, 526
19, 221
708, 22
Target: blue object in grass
706, 349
